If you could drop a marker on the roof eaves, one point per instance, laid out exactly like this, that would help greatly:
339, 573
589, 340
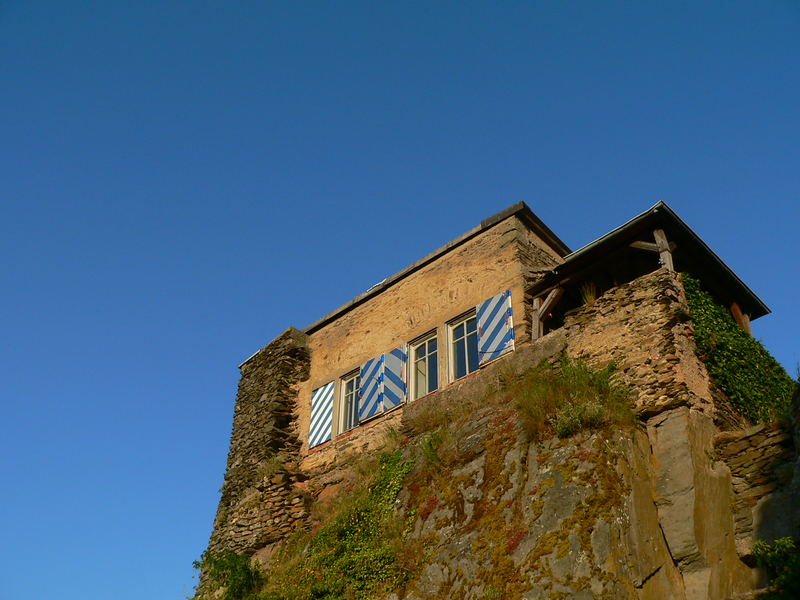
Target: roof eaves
630, 224
573, 260
715, 258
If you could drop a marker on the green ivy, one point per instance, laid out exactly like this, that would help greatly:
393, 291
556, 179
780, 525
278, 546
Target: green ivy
782, 562
740, 366
233, 571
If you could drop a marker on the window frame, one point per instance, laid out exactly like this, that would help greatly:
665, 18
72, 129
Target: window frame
354, 375
425, 338
451, 354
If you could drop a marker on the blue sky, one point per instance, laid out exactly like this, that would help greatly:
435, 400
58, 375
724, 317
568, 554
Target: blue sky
180, 181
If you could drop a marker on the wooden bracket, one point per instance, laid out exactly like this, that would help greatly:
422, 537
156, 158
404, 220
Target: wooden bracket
542, 307
651, 247
662, 246
742, 319
664, 253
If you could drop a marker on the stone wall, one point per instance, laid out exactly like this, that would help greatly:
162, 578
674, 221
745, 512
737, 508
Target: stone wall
645, 328
318, 464
760, 462
260, 503
710, 511
673, 534
426, 300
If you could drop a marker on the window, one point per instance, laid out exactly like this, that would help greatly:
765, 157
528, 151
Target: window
349, 408
464, 346
424, 366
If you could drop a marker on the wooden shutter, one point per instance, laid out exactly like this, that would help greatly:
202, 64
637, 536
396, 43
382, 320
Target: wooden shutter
370, 391
495, 327
394, 377
321, 415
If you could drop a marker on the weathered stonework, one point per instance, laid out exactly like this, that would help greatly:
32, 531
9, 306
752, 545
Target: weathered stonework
644, 327
259, 503
674, 535
492, 261
760, 463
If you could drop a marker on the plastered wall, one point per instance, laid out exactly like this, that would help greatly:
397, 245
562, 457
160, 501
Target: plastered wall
495, 260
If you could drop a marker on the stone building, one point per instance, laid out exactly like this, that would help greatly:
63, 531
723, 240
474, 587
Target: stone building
508, 292
501, 285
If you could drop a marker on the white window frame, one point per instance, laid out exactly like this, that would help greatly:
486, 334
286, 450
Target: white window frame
412, 379
354, 375
451, 354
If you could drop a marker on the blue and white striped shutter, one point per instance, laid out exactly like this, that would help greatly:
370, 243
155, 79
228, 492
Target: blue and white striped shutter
321, 415
495, 327
394, 377
370, 391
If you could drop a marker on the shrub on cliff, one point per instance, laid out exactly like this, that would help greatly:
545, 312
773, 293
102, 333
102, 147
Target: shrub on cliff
782, 562
739, 365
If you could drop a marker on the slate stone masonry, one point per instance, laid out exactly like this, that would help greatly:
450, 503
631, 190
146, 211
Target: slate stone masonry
760, 461
260, 503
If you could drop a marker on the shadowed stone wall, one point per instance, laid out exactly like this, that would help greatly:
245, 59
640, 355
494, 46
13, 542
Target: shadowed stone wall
260, 503
760, 462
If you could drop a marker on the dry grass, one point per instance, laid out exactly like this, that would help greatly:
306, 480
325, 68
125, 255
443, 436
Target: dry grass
569, 397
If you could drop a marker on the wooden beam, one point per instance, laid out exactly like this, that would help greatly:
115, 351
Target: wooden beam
543, 306
650, 246
742, 319
551, 300
536, 321
664, 253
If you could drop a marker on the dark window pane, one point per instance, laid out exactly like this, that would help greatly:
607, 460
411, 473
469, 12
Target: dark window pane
433, 373
458, 332
472, 352
432, 346
471, 325
460, 359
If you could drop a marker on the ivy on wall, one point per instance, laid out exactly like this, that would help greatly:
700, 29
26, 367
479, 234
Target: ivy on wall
739, 365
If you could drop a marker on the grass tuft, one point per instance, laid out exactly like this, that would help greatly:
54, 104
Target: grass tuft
568, 398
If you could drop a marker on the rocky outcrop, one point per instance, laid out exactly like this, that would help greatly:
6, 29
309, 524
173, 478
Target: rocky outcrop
643, 514
667, 511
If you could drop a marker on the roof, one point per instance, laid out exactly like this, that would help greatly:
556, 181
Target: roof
520, 210
691, 251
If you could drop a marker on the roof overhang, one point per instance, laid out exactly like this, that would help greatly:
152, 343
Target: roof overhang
691, 252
